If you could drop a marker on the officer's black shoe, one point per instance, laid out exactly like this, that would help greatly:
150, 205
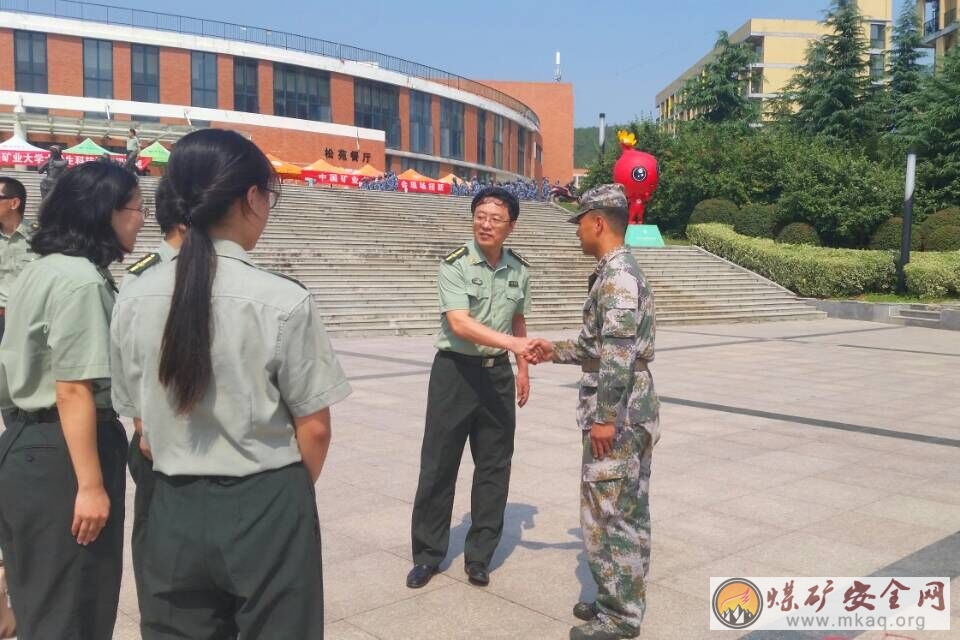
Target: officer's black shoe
586, 611
477, 573
420, 575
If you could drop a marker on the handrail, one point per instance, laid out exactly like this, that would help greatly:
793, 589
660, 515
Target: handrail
107, 14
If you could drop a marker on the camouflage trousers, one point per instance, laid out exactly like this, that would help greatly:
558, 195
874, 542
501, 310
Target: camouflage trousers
615, 521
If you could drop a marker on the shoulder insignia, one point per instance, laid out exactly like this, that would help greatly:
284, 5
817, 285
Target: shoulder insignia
286, 277
144, 263
456, 254
519, 257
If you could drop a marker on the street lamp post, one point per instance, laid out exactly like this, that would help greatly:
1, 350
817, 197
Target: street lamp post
603, 134
907, 221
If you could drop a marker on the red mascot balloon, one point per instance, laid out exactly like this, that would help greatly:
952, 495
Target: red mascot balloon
637, 172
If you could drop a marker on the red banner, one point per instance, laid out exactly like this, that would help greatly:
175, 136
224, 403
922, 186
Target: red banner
423, 186
37, 158
333, 179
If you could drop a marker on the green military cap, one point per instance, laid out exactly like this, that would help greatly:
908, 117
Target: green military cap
609, 197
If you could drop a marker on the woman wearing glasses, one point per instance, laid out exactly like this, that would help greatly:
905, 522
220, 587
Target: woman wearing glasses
62, 474
230, 373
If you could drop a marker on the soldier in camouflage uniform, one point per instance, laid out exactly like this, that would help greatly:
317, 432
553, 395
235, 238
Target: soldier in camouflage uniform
618, 412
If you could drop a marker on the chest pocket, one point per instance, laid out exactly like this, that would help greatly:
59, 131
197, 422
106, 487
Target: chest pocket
515, 296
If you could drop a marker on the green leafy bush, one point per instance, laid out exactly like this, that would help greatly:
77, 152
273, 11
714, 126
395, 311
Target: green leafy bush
949, 217
756, 220
799, 233
714, 210
934, 275
888, 236
945, 238
809, 271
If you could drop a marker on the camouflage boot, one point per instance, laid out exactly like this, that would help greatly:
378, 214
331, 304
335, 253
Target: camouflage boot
585, 611
600, 630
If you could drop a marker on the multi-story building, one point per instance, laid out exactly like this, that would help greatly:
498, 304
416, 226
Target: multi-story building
781, 46
940, 24
69, 70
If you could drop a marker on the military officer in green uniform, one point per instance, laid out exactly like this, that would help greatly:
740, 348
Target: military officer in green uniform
484, 297
62, 475
173, 228
231, 373
618, 412
15, 250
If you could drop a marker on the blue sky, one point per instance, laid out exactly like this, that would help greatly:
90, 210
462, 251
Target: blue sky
617, 54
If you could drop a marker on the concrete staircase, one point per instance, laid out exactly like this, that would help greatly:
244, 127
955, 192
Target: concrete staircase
370, 259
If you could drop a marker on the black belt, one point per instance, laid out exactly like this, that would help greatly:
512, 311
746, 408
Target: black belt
52, 415
485, 362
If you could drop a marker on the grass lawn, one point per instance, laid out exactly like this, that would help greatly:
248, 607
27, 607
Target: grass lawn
898, 299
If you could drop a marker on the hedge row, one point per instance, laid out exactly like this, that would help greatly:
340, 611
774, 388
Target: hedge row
816, 272
934, 275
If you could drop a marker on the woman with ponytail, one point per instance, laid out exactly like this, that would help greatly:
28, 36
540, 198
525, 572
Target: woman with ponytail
229, 373
62, 475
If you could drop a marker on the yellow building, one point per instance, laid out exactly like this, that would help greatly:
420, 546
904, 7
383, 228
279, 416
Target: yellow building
940, 24
781, 47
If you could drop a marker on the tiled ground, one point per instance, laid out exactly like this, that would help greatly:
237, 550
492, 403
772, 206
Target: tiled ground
826, 448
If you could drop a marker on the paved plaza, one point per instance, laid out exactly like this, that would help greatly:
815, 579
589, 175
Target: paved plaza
824, 448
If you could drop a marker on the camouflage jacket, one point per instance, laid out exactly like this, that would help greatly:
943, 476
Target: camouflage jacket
618, 329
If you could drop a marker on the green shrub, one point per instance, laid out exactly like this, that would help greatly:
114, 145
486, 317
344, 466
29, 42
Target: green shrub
756, 220
714, 210
934, 275
946, 238
799, 233
809, 271
888, 236
949, 217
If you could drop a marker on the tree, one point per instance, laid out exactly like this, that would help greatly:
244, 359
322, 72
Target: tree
906, 72
831, 92
719, 92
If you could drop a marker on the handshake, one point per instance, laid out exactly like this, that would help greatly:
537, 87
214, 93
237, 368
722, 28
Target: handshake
533, 350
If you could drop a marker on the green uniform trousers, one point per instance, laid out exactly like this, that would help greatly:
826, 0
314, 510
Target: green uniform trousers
141, 470
464, 401
223, 557
615, 522
59, 589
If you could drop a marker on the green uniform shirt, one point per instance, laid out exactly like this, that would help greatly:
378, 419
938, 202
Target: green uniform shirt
164, 252
492, 295
15, 253
272, 361
58, 328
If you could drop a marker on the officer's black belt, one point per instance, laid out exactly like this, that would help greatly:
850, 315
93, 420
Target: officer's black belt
485, 362
52, 415
592, 365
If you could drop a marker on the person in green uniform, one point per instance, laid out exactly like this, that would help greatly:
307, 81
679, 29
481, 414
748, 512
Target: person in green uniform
62, 474
15, 250
174, 228
484, 298
229, 372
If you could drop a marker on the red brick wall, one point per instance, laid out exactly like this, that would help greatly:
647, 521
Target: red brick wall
225, 82
174, 76
553, 104
469, 134
265, 87
7, 79
64, 69
121, 71
435, 123
341, 98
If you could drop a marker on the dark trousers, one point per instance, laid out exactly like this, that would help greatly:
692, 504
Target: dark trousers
464, 401
141, 470
5, 414
228, 557
59, 589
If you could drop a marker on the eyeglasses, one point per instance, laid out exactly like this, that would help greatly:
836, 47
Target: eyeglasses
273, 196
143, 209
496, 221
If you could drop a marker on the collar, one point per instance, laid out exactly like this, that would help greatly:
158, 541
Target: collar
23, 229
608, 256
476, 256
168, 253
230, 249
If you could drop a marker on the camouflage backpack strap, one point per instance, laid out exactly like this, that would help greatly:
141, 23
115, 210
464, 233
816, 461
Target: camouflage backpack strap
456, 254
144, 263
519, 257
290, 278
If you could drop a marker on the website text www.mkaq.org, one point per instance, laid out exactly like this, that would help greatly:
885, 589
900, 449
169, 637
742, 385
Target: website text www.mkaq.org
858, 621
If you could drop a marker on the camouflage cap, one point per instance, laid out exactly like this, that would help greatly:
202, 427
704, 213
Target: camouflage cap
606, 196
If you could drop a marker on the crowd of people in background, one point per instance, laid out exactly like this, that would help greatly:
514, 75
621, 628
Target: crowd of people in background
527, 190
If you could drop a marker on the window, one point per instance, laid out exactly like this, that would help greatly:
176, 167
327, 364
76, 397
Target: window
878, 36
521, 149
203, 79
423, 167
245, 86
421, 127
97, 68
756, 80
451, 129
481, 137
145, 76
878, 68
498, 141
302, 93
377, 106
30, 61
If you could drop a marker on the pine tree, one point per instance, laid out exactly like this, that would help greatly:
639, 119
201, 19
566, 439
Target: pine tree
719, 92
906, 71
